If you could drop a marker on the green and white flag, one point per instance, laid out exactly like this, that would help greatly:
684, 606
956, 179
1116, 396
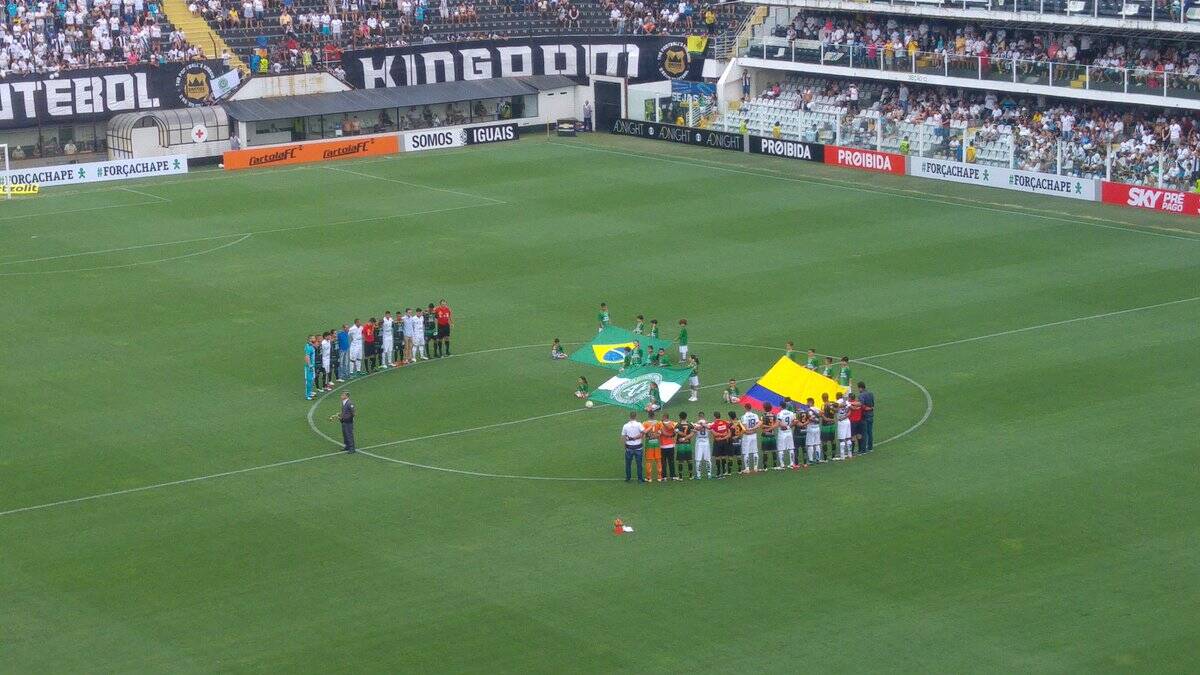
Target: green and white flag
631, 389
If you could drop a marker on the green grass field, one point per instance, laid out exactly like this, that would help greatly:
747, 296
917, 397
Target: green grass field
166, 507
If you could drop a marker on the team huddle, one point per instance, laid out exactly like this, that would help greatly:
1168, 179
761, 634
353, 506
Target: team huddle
360, 348
667, 449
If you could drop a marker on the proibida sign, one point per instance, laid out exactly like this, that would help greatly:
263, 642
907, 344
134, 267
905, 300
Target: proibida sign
677, 134
1145, 197
865, 160
777, 147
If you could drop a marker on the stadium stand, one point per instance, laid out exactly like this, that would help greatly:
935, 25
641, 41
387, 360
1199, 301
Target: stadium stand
46, 38
297, 34
1139, 63
1067, 137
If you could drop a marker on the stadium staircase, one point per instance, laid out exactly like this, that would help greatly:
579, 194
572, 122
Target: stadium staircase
729, 46
198, 32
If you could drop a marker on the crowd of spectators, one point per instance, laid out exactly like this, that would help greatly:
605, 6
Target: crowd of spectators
49, 36
1078, 138
893, 41
668, 17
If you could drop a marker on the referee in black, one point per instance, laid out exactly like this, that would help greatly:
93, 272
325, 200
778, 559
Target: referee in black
346, 417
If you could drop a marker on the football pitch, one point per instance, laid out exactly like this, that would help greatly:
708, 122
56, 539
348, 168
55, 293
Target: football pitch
169, 502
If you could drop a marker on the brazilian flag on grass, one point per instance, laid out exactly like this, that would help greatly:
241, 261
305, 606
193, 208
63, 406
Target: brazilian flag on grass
631, 389
610, 345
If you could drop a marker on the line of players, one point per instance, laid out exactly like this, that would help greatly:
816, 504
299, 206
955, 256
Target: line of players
712, 449
358, 349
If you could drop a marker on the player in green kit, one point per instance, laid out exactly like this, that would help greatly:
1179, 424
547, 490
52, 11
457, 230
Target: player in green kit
581, 387
661, 359
683, 341
683, 444
602, 317
827, 369
843, 377
639, 328
656, 402
769, 425
654, 328
431, 328
811, 363
731, 393
633, 357
789, 350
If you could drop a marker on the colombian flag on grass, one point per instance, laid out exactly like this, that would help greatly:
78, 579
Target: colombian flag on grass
608, 348
791, 380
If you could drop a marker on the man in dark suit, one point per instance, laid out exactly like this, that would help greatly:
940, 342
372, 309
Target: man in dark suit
346, 417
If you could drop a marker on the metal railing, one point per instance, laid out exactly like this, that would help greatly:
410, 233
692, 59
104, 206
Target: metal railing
1135, 80
1161, 11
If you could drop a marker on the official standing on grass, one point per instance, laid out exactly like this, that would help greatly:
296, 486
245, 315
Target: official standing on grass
346, 417
631, 436
867, 399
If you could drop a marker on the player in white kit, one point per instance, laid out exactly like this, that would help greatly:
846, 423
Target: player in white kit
844, 438
702, 452
785, 444
326, 353
356, 347
812, 435
388, 342
418, 326
751, 423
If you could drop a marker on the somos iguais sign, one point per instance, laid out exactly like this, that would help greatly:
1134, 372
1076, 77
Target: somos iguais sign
95, 172
1002, 177
640, 58
99, 93
677, 134
435, 139
311, 151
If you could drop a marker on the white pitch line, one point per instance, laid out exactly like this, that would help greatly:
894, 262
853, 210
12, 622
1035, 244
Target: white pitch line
144, 194
883, 190
416, 185
47, 214
122, 249
156, 486
243, 236
193, 254
1029, 328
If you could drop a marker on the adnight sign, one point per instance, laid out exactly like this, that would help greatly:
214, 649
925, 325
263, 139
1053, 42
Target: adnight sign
677, 134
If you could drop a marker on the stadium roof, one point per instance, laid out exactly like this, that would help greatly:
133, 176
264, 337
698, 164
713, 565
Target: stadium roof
360, 100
